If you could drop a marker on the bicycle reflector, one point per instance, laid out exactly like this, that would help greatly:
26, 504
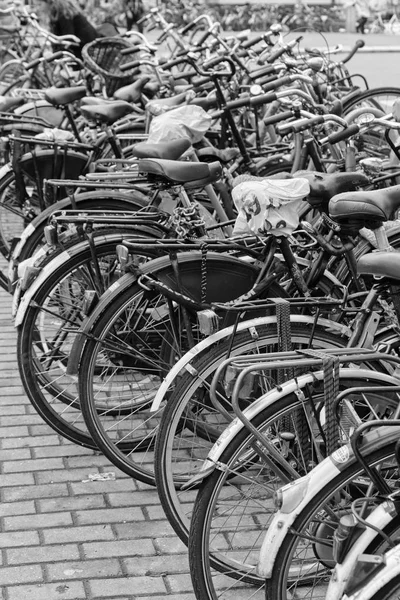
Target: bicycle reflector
342, 536
366, 567
122, 254
208, 322
287, 498
50, 235
90, 299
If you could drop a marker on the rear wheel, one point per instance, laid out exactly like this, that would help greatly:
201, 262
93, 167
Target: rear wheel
131, 348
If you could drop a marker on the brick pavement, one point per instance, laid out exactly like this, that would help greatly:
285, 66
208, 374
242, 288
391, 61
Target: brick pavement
65, 539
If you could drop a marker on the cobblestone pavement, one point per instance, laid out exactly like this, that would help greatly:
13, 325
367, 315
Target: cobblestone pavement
62, 537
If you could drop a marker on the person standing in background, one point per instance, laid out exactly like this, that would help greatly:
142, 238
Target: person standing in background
66, 18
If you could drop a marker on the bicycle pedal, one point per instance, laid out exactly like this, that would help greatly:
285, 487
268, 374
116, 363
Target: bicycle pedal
208, 321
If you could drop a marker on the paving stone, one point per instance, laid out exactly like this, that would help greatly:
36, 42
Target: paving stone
13, 575
70, 590
77, 534
44, 554
37, 521
134, 586
119, 548
35, 491
87, 569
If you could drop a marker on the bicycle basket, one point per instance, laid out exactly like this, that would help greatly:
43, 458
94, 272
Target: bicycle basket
103, 57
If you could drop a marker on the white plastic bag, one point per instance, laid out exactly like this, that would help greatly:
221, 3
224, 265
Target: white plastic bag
269, 206
187, 121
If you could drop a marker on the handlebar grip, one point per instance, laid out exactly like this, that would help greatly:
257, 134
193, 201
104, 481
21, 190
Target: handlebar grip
247, 100
200, 81
131, 50
253, 42
262, 72
33, 64
208, 64
351, 130
188, 27
202, 39
185, 75
299, 125
131, 65
275, 55
268, 87
278, 117
55, 56
172, 63
359, 44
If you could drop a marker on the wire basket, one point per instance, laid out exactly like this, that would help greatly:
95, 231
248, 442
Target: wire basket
103, 57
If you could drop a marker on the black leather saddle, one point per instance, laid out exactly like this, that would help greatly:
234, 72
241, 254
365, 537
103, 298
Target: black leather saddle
62, 96
380, 264
354, 210
191, 175
108, 112
162, 150
323, 186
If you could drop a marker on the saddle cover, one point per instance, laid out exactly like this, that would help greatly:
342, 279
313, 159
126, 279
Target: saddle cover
269, 206
186, 121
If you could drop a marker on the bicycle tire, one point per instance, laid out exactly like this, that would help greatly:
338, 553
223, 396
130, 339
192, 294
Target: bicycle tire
214, 567
41, 358
177, 444
390, 591
378, 451
129, 446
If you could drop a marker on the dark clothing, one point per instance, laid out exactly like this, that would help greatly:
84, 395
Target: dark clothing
360, 25
77, 25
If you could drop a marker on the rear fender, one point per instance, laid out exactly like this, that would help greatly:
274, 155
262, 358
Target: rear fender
202, 346
302, 491
64, 204
190, 270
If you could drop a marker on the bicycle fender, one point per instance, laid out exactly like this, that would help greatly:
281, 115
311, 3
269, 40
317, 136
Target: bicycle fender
385, 575
50, 268
44, 216
157, 266
184, 362
303, 490
380, 517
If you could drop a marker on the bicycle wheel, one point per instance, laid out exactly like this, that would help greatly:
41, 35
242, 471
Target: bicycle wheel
190, 424
49, 327
10, 72
132, 346
235, 505
304, 565
391, 591
13, 216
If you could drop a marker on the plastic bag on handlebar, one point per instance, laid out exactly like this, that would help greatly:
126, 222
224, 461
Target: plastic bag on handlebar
187, 121
269, 206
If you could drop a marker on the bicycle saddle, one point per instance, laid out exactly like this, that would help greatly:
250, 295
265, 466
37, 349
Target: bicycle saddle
7, 104
191, 174
323, 186
377, 205
166, 102
107, 112
163, 150
61, 96
380, 264
133, 91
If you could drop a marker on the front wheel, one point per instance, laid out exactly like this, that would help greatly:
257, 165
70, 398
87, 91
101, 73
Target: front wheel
234, 506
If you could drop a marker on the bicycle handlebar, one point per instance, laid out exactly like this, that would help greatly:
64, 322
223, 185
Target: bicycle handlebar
285, 48
359, 44
339, 136
305, 123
